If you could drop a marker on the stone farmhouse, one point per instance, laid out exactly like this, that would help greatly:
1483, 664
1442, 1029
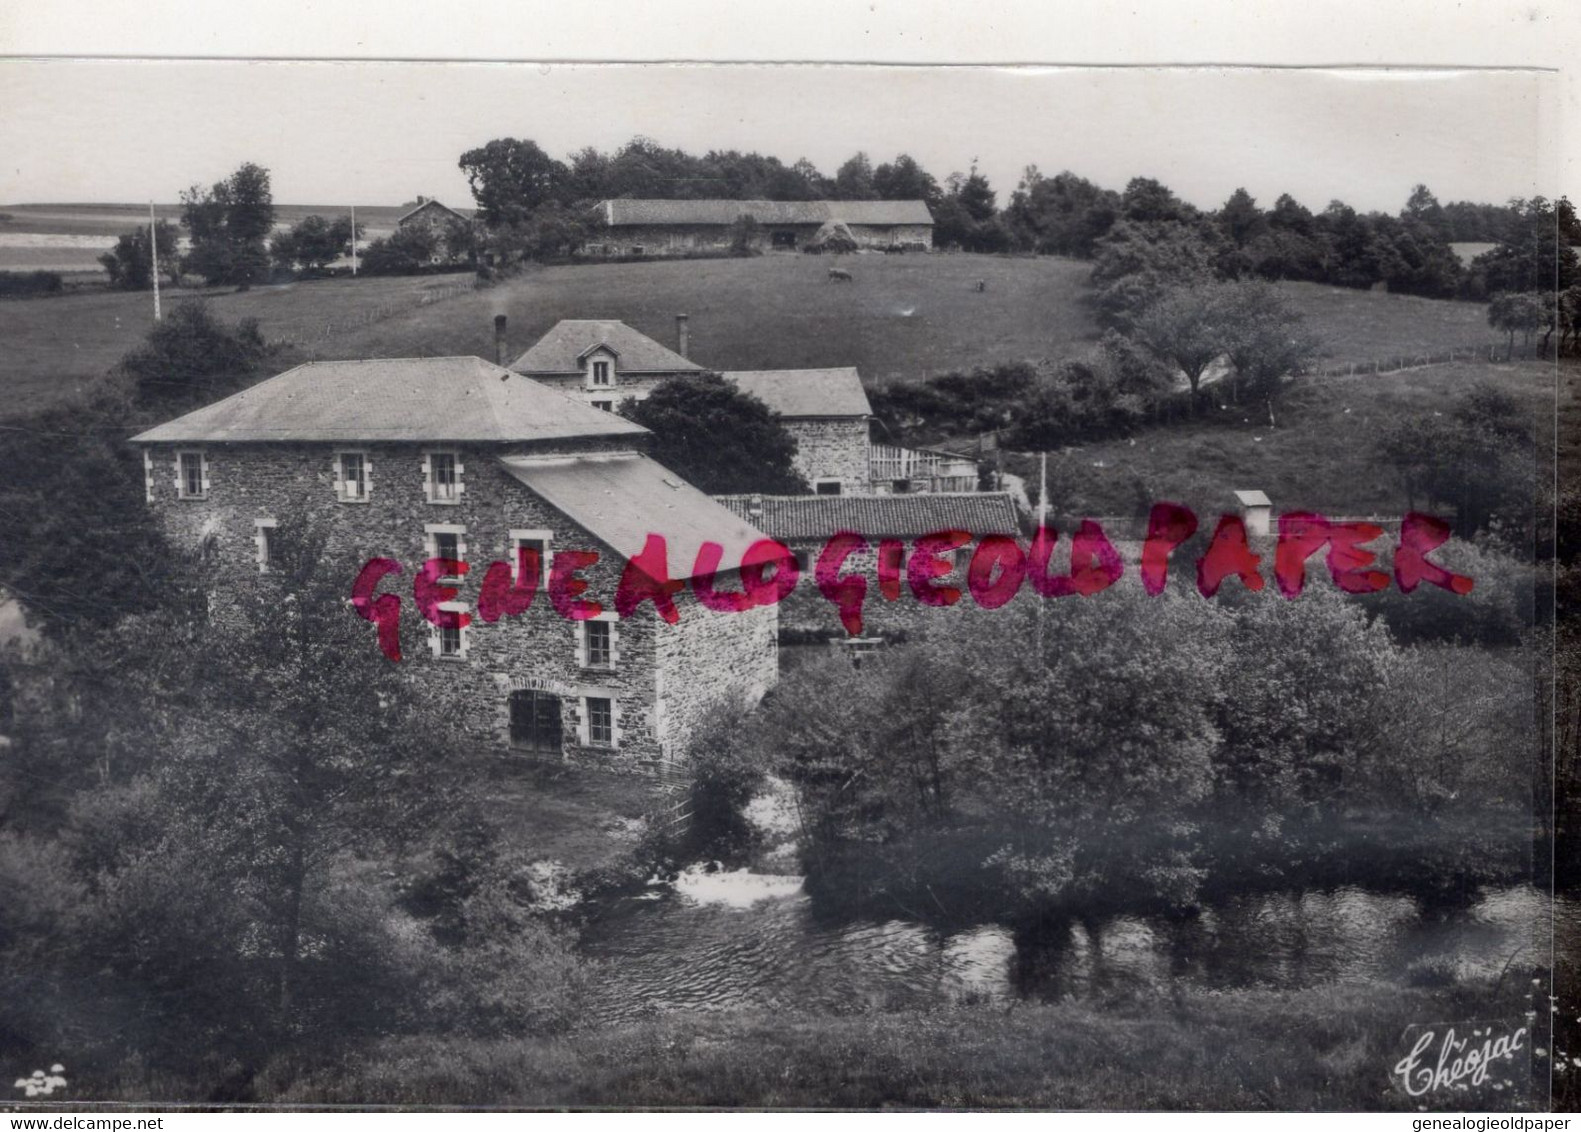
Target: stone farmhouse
602, 362
805, 523
439, 221
675, 227
417, 458
827, 413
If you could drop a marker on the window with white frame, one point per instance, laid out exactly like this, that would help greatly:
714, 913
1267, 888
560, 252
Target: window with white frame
192, 475
599, 712
449, 642
603, 372
353, 477
597, 644
442, 476
445, 540
607, 406
264, 538
531, 540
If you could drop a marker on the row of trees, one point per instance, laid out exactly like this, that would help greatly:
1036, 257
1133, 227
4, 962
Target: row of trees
1061, 760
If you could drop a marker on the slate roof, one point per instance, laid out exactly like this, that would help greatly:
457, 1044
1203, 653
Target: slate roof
623, 497
806, 392
562, 349
814, 518
411, 212
620, 213
393, 399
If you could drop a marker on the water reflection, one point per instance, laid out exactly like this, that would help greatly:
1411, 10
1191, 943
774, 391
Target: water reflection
738, 939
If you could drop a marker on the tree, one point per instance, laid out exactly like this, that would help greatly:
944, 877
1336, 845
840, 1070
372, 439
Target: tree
904, 179
1062, 215
1240, 218
313, 242
1519, 311
1137, 261
403, 252
512, 178
1188, 327
191, 358
130, 262
1267, 337
746, 236
229, 226
718, 438
854, 180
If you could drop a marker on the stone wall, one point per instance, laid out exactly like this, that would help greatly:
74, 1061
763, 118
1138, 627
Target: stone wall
538, 650
832, 448
709, 658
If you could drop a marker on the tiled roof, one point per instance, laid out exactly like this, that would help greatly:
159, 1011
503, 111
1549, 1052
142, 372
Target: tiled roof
562, 349
411, 212
814, 518
393, 399
623, 497
618, 213
806, 392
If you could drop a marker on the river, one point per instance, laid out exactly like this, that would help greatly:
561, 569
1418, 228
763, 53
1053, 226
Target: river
741, 939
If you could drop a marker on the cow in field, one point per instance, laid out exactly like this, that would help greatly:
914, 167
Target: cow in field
839, 275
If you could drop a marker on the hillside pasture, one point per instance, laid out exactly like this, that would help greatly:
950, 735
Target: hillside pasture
55, 347
1371, 326
1321, 456
902, 318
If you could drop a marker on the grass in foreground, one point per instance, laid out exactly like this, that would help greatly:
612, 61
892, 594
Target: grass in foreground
1328, 1048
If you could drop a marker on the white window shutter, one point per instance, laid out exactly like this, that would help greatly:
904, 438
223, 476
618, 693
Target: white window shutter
203, 462
614, 722
428, 477
580, 633
581, 721
367, 475
148, 474
614, 644
334, 467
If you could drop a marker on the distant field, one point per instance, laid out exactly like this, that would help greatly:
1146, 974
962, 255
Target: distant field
77, 234
49, 348
903, 317
1321, 456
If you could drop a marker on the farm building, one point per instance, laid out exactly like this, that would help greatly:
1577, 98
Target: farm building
674, 227
806, 523
826, 412
601, 361
441, 223
419, 458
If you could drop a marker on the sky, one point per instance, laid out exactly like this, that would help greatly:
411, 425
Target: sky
379, 133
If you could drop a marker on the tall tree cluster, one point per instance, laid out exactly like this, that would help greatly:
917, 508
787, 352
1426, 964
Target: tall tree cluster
229, 225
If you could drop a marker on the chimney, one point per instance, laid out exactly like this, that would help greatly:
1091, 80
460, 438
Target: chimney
681, 336
499, 341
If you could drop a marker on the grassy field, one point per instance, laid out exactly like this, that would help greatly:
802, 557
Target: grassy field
1329, 1048
1322, 455
54, 346
904, 317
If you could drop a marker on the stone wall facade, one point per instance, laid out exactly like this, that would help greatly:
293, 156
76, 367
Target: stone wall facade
661, 678
626, 385
831, 448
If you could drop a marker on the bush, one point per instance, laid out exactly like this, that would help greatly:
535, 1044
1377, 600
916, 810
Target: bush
1497, 612
725, 775
29, 284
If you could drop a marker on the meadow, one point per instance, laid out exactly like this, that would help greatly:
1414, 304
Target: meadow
1322, 454
902, 319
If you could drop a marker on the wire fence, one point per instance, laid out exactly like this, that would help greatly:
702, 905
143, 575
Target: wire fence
426, 297
1488, 353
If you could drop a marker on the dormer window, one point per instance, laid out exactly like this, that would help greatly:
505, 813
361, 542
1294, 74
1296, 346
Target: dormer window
602, 374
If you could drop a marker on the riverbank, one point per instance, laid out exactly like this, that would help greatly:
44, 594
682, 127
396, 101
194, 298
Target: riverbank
1326, 1048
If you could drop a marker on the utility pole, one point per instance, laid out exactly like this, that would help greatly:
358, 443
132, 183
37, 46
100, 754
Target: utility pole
353, 241
153, 250
1043, 518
